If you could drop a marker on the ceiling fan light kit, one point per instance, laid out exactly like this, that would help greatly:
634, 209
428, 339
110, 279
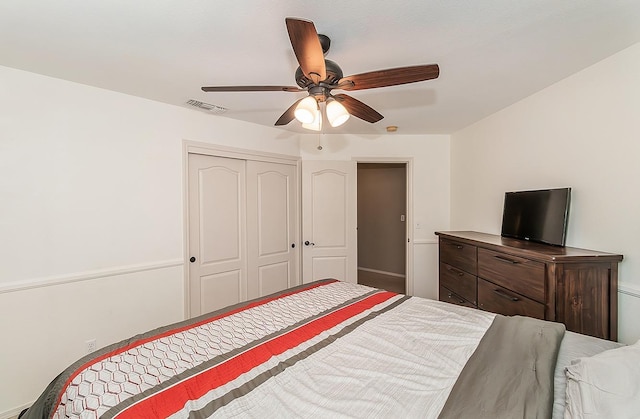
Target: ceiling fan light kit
318, 77
337, 114
306, 110
316, 125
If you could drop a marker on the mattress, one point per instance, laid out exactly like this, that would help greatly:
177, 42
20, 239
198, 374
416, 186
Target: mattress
326, 349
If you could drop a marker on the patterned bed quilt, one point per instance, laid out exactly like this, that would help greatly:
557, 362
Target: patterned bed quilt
325, 349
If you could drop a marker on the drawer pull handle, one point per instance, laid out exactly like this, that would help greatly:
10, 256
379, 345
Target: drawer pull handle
505, 295
451, 297
506, 260
455, 271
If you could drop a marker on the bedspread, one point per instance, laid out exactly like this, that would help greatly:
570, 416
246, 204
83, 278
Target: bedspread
323, 349
510, 374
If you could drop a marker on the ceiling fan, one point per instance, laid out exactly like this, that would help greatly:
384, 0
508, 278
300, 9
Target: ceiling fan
319, 76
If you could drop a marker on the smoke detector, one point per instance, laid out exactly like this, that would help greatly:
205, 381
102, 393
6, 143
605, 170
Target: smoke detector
208, 107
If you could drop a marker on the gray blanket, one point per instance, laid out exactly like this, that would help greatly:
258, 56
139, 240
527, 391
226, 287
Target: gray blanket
510, 375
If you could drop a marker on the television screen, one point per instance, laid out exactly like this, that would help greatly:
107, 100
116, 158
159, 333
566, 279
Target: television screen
539, 216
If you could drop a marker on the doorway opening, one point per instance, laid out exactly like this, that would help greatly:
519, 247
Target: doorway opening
382, 225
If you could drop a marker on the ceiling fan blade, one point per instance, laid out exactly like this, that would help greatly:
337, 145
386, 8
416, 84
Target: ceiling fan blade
307, 47
288, 115
390, 77
358, 109
251, 89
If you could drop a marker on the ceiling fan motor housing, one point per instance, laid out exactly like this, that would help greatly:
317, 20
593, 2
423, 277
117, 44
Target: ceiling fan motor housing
334, 74
325, 43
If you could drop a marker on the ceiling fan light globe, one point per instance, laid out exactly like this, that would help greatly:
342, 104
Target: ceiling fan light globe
339, 121
337, 114
306, 110
316, 125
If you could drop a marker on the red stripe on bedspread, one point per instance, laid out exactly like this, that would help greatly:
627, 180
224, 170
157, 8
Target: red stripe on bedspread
142, 341
172, 399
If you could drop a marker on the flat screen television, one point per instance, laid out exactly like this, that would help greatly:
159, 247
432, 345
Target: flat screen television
539, 216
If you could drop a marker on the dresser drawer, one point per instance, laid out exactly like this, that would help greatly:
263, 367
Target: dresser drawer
449, 296
459, 281
497, 299
521, 275
459, 255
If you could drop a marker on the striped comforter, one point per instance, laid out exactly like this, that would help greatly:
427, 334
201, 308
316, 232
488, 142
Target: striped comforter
326, 349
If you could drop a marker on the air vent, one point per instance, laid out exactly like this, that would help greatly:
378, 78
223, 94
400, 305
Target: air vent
206, 106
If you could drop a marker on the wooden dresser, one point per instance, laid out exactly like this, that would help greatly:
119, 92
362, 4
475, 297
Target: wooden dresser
577, 287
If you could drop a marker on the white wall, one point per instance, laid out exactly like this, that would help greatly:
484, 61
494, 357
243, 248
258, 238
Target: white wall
91, 219
430, 154
582, 132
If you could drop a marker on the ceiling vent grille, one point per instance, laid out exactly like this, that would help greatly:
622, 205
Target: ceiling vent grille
206, 106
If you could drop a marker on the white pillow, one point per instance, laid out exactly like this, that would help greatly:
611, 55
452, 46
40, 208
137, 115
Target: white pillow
606, 385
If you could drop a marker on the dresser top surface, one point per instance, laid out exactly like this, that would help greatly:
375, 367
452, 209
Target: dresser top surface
515, 245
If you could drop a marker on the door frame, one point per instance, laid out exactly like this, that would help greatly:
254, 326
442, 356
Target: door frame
408, 161
196, 147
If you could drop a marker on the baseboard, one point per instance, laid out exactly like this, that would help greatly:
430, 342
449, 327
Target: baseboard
425, 241
381, 272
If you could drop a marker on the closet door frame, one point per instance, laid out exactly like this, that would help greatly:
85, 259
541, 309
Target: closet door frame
195, 147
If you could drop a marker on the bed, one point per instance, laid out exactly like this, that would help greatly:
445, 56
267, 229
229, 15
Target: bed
327, 349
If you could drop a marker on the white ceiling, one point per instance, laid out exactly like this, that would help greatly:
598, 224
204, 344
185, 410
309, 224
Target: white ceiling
491, 53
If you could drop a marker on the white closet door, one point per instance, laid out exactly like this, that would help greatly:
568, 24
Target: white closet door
218, 273
329, 229
271, 227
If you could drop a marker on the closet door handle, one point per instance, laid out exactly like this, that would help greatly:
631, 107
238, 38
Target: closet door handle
308, 243
192, 259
